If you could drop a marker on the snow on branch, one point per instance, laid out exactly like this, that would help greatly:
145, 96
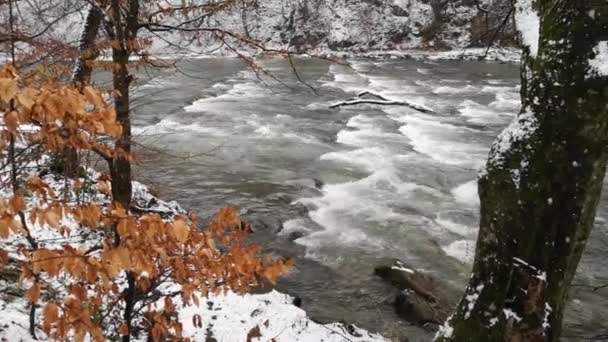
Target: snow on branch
367, 97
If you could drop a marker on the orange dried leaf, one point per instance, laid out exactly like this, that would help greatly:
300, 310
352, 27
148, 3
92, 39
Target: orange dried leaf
11, 120
124, 329
50, 313
27, 97
8, 89
17, 203
33, 293
181, 230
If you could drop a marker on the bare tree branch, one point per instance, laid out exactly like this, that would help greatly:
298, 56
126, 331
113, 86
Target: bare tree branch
381, 100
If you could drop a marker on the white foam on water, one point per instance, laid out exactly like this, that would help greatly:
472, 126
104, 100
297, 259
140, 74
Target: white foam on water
455, 90
366, 134
463, 250
441, 141
318, 105
456, 228
294, 226
507, 101
387, 86
157, 83
369, 159
479, 114
346, 79
278, 129
346, 210
466, 194
499, 89
424, 71
238, 92
497, 82
222, 85
168, 126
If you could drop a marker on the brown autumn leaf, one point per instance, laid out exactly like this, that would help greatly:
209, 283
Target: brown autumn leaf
169, 308
17, 203
51, 315
27, 97
124, 329
52, 218
93, 96
5, 224
8, 89
181, 230
104, 187
33, 293
11, 120
3, 257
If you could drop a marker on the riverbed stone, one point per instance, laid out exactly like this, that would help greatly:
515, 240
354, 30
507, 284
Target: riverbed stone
422, 299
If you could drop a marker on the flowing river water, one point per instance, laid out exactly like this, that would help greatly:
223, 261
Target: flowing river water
343, 190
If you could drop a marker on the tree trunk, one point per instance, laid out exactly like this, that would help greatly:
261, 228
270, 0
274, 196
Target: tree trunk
124, 33
88, 53
541, 186
67, 160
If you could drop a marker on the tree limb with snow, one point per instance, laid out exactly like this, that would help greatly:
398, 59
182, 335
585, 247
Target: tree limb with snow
367, 97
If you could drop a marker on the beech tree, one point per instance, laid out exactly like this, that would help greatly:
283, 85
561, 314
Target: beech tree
111, 287
543, 180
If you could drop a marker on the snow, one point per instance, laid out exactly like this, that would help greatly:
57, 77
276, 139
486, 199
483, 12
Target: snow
399, 266
225, 317
510, 314
471, 300
521, 128
376, 29
599, 64
229, 317
528, 25
445, 330
546, 325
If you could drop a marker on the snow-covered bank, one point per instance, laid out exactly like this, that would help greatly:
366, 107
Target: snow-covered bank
496, 54
228, 317
224, 317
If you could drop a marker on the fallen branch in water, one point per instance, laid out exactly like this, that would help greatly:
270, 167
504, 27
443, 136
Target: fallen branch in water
380, 100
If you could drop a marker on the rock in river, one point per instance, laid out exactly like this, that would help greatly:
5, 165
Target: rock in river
421, 299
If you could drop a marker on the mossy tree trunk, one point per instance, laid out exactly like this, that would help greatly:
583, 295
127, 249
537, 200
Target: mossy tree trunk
122, 30
67, 161
542, 184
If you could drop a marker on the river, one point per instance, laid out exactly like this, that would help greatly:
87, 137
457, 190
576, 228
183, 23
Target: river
353, 186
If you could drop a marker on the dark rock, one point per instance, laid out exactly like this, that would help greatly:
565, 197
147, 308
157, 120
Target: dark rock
297, 301
295, 235
318, 183
352, 330
422, 299
267, 223
417, 309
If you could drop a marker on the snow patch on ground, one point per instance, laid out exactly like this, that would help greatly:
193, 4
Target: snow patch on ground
225, 317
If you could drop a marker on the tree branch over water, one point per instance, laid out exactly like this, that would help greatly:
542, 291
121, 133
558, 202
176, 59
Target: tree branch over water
367, 97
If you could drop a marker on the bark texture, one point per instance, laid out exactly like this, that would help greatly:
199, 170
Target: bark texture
123, 31
88, 52
541, 186
67, 161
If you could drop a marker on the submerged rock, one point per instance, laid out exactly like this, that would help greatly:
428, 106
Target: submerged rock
422, 299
